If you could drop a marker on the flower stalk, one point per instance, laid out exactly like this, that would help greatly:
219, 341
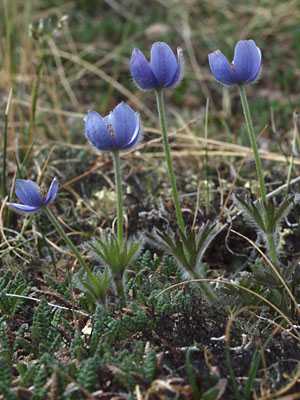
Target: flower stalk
118, 183
120, 291
253, 143
209, 292
163, 126
270, 237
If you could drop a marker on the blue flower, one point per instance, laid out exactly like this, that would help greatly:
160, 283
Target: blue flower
33, 196
120, 130
244, 68
164, 70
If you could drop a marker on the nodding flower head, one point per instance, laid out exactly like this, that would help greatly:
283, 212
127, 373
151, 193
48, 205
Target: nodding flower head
244, 68
163, 71
120, 130
33, 196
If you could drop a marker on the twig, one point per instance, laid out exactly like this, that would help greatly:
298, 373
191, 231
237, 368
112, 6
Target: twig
49, 304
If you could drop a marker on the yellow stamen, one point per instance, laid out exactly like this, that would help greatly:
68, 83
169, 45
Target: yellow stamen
111, 131
43, 192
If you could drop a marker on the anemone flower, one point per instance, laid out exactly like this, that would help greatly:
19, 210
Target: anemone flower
119, 130
244, 68
33, 196
163, 71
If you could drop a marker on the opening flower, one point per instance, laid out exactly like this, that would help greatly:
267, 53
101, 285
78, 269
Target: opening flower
244, 68
164, 70
120, 130
33, 196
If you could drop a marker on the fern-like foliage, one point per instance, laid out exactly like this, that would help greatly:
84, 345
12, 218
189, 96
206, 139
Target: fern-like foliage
5, 380
188, 247
99, 328
5, 373
43, 333
147, 261
8, 304
39, 381
21, 342
118, 257
169, 267
27, 373
95, 287
266, 218
41, 321
138, 321
4, 279
58, 316
60, 287
77, 349
87, 373
150, 365
143, 283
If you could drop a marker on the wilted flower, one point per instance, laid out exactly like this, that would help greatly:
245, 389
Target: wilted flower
244, 68
120, 130
33, 196
164, 70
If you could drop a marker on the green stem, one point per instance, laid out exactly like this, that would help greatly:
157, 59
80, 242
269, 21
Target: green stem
120, 291
163, 126
116, 157
272, 250
253, 143
270, 237
69, 243
209, 292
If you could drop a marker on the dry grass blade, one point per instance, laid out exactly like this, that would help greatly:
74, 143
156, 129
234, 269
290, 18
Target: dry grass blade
273, 268
99, 72
6, 241
232, 318
277, 395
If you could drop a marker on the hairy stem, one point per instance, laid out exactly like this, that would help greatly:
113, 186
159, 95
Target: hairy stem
270, 237
253, 143
116, 157
120, 291
209, 292
272, 250
163, 126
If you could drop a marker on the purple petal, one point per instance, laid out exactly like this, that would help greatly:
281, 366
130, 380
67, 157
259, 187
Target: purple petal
52, 191
247, 60
221, 68
136, 135
141, 71
179, 70
125, 124
23, 207
163, 63
28, 192
255, 72
97, 132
